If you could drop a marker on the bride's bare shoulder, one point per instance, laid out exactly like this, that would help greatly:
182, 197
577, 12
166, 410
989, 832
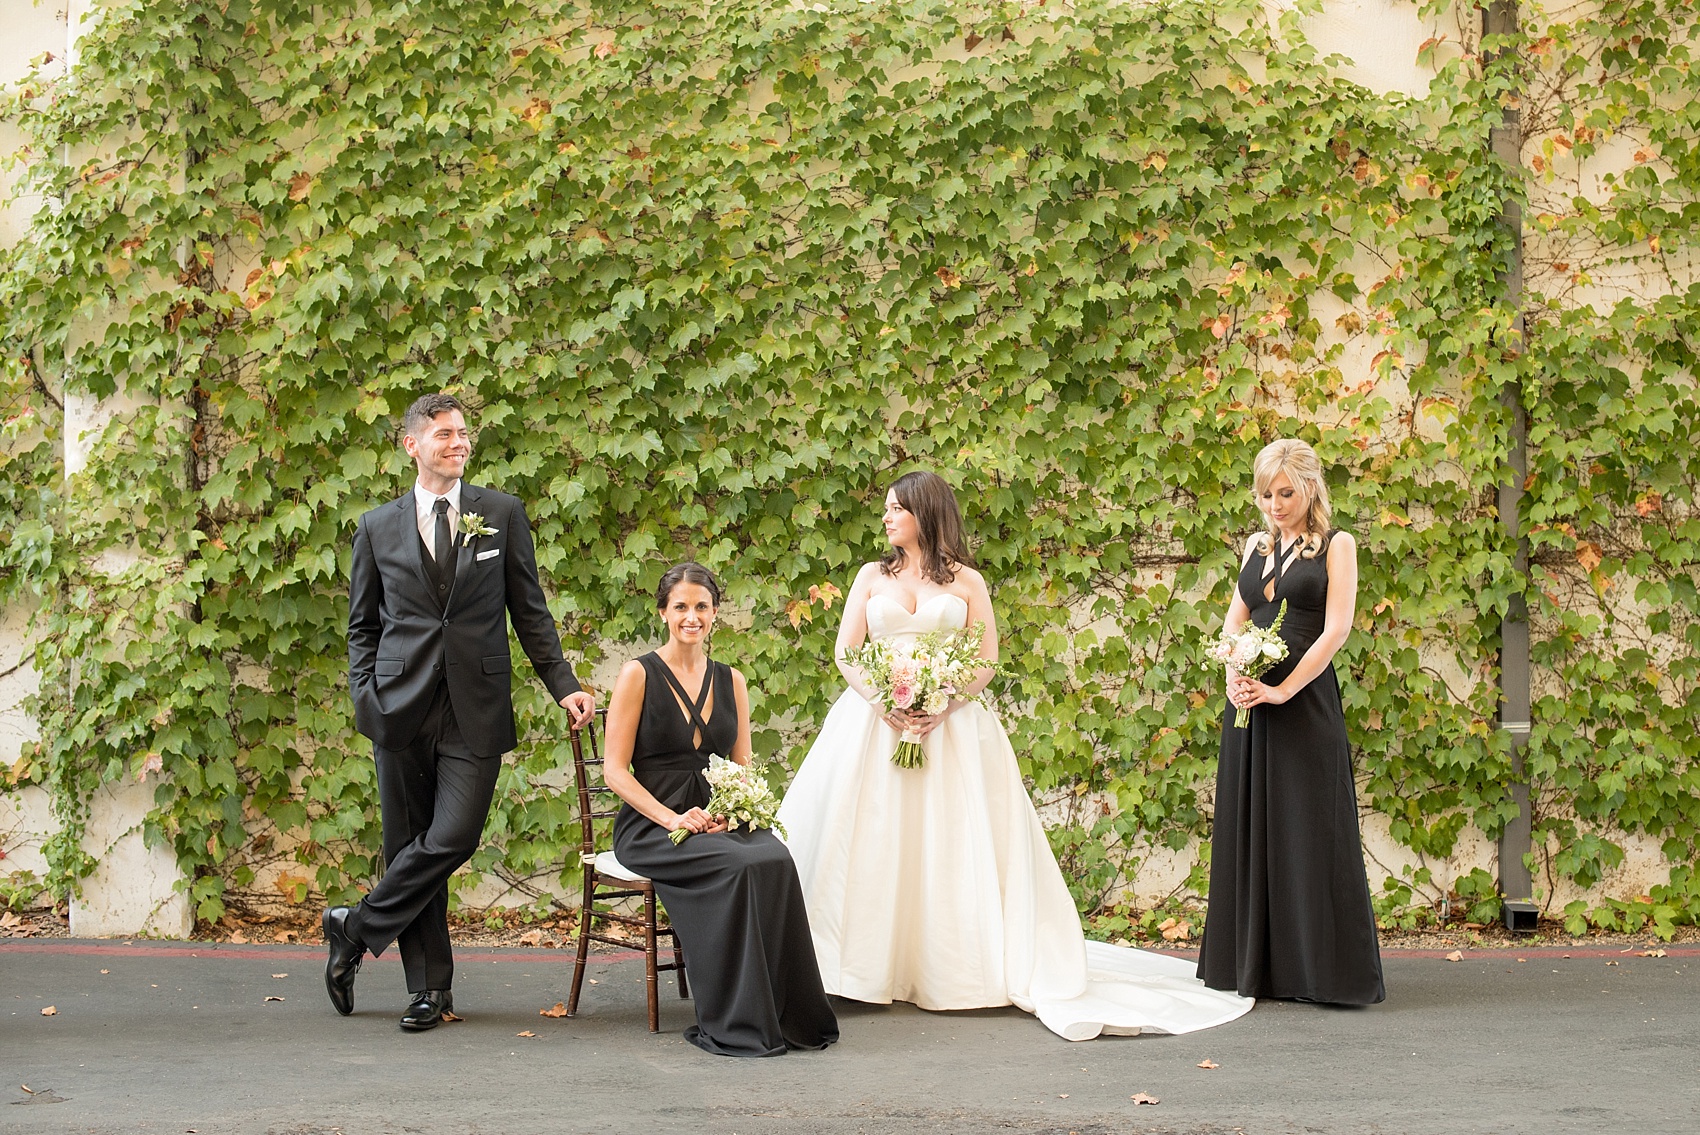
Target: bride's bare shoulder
970, 579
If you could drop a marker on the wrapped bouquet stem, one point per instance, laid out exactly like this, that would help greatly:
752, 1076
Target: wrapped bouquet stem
1250, 652
740, 793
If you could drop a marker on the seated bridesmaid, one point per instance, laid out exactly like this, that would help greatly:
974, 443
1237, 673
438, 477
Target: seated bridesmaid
732, 896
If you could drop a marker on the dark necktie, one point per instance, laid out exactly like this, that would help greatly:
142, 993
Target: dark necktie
444, 547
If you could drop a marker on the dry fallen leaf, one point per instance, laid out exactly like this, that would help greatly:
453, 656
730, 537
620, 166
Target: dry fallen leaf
280, 975
9, 919
527, 1032
1208, 1063
558, 1009
1142, 1097
531, 938
27, 1088
273, 997
593, 981
105, 971
1651, 954
1062, 1095
238, 939
1455, 956
50, 1011
448, 1015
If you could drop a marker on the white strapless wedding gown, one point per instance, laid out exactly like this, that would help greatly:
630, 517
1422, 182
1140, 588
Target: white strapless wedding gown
936, 885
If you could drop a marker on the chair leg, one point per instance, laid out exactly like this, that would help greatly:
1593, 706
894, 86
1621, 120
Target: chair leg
650, 978
585, 912
679, 960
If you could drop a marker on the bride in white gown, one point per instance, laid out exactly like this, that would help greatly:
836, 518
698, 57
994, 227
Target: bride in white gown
936, 885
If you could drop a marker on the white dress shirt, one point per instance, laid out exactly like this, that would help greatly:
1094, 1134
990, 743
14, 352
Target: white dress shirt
425, 510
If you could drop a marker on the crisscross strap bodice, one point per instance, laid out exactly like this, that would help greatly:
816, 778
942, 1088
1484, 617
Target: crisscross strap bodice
672, 735
693, 708
1299, 582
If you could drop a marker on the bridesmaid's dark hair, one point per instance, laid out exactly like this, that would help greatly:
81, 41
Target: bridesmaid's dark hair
944, 548
687, 572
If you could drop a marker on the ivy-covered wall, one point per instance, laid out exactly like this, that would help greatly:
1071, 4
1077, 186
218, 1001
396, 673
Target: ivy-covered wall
712, 275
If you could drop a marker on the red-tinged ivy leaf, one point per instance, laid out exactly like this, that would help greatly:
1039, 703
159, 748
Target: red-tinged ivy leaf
299, 186
949, 278
972, 40
606, 48
1590, 555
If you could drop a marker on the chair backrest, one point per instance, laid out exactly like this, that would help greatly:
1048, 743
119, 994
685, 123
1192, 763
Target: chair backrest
596, 801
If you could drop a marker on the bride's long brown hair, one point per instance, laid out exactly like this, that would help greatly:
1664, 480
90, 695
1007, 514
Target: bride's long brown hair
944, 547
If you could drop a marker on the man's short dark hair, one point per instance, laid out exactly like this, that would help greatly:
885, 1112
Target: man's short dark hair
425, 410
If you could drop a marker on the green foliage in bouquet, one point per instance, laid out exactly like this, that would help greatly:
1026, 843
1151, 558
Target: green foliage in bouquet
712, 275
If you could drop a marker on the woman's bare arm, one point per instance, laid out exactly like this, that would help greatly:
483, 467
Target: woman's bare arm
853, 631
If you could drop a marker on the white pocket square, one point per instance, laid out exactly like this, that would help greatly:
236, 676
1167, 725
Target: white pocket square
491, 552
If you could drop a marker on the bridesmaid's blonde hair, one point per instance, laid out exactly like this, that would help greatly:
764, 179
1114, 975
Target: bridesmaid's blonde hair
1304, 469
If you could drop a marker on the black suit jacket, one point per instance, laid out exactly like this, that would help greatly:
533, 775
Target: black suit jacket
403, 639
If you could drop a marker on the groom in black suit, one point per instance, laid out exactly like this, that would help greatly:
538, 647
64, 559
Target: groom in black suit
436, 576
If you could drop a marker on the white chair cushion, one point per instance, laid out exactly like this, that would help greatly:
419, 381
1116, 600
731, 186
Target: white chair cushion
606, 864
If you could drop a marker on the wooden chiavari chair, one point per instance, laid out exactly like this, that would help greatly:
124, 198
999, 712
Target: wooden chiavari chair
607, 881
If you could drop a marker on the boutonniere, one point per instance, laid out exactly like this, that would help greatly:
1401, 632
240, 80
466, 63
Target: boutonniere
472, 526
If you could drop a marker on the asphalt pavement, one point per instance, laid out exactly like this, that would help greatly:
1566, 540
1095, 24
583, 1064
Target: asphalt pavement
182, 1037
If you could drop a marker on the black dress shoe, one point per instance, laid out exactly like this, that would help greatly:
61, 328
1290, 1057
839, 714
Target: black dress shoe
428, 1009
344, 960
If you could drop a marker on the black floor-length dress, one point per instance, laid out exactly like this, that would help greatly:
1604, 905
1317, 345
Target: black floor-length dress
733, 896
1290, 913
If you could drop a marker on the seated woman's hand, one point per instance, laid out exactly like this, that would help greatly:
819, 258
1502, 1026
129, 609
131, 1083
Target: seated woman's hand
695, 821
718, 824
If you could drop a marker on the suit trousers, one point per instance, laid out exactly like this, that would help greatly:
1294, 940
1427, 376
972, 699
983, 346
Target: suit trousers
434, 796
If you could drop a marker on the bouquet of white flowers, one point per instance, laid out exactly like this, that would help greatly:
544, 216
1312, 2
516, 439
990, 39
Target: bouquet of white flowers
923, 674
1250, 653
740, 793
